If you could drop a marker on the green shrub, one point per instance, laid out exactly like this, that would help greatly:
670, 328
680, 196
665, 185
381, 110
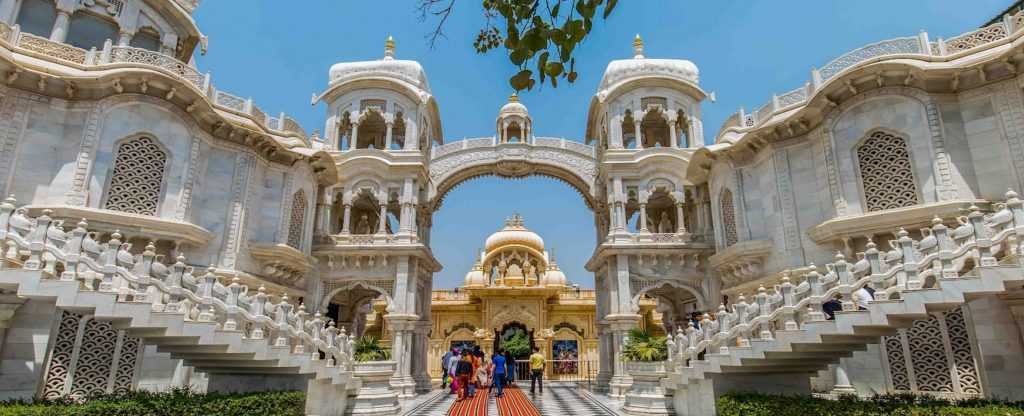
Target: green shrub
641, 346
754, 404
181, 402
368, 348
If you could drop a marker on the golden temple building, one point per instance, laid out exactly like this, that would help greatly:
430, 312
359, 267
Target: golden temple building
516, 290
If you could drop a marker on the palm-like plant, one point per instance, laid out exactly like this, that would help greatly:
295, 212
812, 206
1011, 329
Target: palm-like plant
368, 348
641, 346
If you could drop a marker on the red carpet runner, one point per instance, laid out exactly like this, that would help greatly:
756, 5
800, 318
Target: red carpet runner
515, 403
477, 406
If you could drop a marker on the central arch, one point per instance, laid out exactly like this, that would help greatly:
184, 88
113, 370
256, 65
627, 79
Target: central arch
571, 162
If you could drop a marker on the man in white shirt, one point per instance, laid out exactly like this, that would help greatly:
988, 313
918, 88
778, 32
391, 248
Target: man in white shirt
862, 297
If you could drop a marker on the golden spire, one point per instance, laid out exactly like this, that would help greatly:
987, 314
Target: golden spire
389, 48
638, 47
514, 98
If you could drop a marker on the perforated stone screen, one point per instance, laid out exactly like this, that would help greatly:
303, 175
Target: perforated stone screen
886, 173
138, 175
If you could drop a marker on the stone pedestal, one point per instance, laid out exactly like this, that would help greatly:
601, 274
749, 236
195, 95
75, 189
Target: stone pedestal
619, 325
403, 329
647, 395
375, 395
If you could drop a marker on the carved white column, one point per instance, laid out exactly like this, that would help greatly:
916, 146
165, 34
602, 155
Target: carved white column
672, 135
352, 140
681, 226
643, 218
124, 37
346, 218
382, 220
615, 132
60, 26
387, 135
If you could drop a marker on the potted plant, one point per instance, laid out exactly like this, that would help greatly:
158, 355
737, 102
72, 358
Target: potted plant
368, 348
645, 357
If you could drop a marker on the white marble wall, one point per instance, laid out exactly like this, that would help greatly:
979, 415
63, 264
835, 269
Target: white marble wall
47, 152
25, 348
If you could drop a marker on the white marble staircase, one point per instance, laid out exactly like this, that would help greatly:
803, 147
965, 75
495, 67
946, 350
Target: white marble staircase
776, 342
213, 327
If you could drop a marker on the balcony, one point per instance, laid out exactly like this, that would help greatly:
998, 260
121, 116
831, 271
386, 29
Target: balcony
113, 57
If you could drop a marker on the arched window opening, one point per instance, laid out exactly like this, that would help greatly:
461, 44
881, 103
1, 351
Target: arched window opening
365, 213
887, 176
146, 38
654, 129
628, 131
88, 30
371, 131
297, 221
137, 177
728, 212
37, 17
513, 133
398, 132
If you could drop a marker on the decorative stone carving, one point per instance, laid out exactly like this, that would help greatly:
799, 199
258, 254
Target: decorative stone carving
137, 179
887, 175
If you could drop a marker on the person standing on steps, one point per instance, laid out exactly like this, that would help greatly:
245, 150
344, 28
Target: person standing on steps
498, 360
537, 370
444, 367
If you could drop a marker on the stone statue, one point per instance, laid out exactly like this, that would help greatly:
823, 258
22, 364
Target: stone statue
665, 224
364, 225
528, 270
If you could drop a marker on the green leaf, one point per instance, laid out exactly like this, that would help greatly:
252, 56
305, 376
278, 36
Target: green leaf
609, 7
522, 80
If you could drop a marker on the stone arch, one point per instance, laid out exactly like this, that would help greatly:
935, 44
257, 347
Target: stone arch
702, 302
569, 162
324, 300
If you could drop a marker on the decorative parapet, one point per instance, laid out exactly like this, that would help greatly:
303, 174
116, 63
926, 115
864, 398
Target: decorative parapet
741, 262
877, 222
914, 47
104, 220
112, 56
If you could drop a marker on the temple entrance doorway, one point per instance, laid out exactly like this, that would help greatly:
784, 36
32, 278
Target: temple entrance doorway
515, 338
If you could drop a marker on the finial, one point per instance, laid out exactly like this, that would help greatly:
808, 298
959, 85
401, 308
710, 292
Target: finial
514, 98
389, 48
638, 47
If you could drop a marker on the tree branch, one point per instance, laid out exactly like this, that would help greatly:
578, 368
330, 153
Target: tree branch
441, 9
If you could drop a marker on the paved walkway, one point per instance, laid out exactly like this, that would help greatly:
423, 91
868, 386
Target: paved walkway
557, 400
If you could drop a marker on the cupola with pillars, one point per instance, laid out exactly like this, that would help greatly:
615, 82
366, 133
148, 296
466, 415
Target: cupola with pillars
514, 123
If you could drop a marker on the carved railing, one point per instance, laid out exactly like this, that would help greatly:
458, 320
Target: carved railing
943, 254
912, 46
112, 54
77, 255
127, 54
43, 46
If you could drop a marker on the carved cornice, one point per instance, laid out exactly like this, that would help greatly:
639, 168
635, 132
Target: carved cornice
281, 261
155, 228
885, 221
741, 262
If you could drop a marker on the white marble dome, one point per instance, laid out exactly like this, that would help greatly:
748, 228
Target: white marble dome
475, 277
554, 276
640, 66
514, 233
513, 107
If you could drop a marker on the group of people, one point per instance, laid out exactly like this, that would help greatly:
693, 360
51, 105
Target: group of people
465, 371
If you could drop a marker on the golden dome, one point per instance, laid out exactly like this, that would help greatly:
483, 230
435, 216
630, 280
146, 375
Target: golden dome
475, 277
514, 233
513, 107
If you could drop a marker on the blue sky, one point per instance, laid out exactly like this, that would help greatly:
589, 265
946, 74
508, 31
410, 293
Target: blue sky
279, 53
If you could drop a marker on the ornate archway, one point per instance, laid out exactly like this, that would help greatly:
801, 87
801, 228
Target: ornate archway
571, 162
